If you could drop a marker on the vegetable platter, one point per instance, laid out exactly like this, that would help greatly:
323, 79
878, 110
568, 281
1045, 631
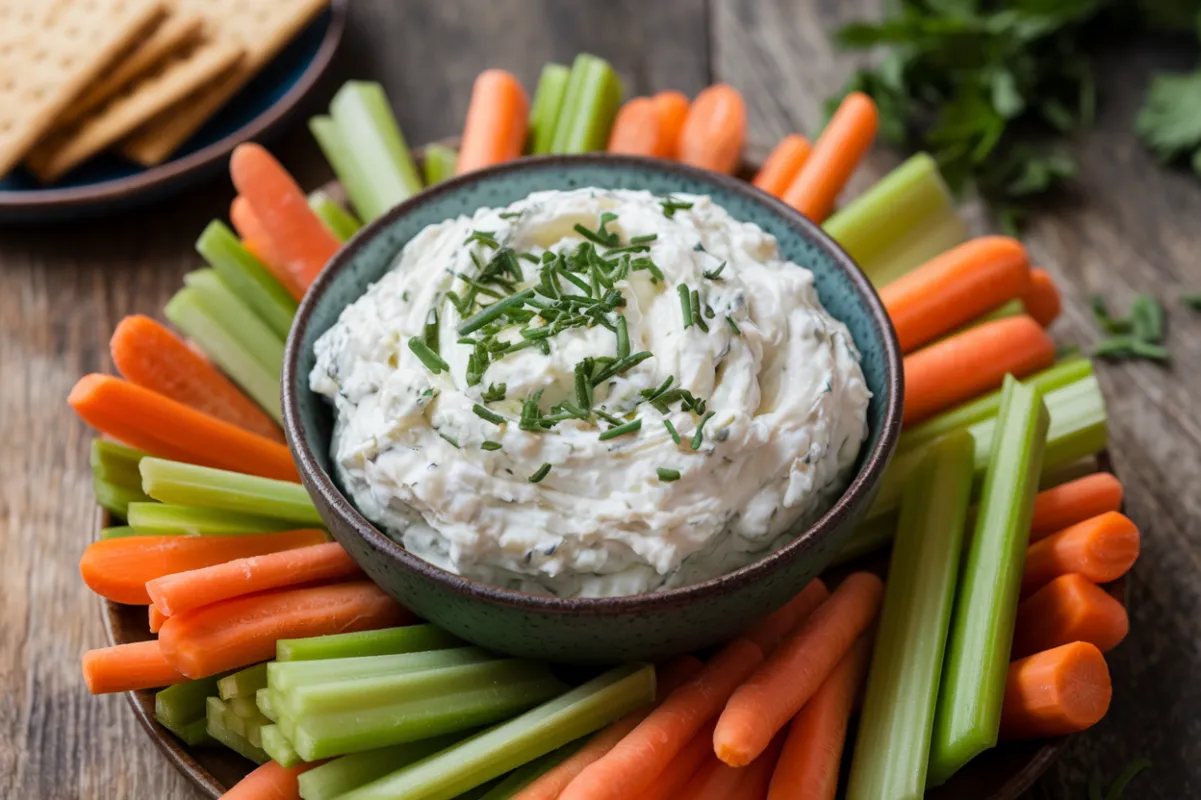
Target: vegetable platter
982, 649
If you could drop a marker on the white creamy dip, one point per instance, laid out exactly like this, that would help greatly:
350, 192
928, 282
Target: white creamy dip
777, 378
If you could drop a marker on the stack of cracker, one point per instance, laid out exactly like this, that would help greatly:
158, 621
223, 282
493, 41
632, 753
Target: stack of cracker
80, 77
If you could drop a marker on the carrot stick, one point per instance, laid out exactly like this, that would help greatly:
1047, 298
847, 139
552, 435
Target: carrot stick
303, 243
632, 766
812, 754
955, 288
669, 783
836, 154
1075, 501
128, 667
496, 121
183, 591
243, 631
717, 781
1070, 608
714, 130
637, 130
163, 427
256, 240
757, 776
793, 674
775, 627
157, 618
673, 109
783, 165
1041, 298
118, 569
1101, 549
1056, 692
971, 363
269, 782
150, 356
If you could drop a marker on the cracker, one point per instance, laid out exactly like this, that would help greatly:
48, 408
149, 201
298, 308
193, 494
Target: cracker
173, 80
262, 27
50, 50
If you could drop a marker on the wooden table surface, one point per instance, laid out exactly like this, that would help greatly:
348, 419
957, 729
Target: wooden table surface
1133, 227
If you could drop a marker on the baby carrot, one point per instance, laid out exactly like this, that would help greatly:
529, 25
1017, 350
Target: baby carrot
496, 121
971, 363
157, 618
669, 783
303, 243
782, 166
765, 703
717, 781
1056, 692
118, 569
673, 110
183, 591
1101, 549
1041, 298
150, 356
637, 130
714, 130
163, 427
955, 288
836, 154
243, 631
1070, 608
1075, 501
269, 782
775, 627
128, 667
256, 240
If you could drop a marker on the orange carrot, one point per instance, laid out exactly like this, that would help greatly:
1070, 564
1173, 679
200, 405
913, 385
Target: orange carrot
756, 777
1101, 549
793, 674
668, 784
118, 569
243, 631
717, 781
836, 154
783, 165
183, 591
163, 427
637, 130
715, 130
809, 763
973, 362
954, 288
269, 782
632, 766
157, 618
152, 357
1056, 692
1075, 501
673, 111
128, 667
775, 627
1042, 299
496, 121
303, 243
256, 240
1070, 608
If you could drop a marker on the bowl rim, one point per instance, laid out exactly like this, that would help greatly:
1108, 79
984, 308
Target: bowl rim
319, 481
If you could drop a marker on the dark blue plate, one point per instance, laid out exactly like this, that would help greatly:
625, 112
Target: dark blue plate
109, 183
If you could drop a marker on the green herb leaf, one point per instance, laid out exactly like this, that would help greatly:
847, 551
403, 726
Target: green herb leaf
494, 393
1170, 122
671, 429
432, 360
668, 475
733, 325
699, 437
488, 415
633, 426
671, 206
713, 274
453, 441
491, 445
542, 472
685, 304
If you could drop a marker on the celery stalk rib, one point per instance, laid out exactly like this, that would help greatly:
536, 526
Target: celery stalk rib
118, 531
544, 111
278, 747
337, 220
440, 163
247, 278
191, 485
115, 463
368, 129
219, 727
183, 703
335, 778
243, 683
589, 107
166, 519
255, 335
526, 774
384, 642
116, 499
358, 188
286, 676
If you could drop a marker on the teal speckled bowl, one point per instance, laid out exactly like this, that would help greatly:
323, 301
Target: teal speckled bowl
587, 630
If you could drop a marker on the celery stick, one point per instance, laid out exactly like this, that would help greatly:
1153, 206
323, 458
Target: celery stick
263, 699
116, 498
188, 311
255, 335
218, 727
246, 277
278, 746
893, 744
334, 778
977, 661
254, 730
340, 222
384, 642
194, 734
190, 485
245, 707
159, 519
369, 131
505, 747
544, 111
115, 463
440, 163
345, 166
524, 775
119, 531
243, 683
569, 103
184, 702
285, 676
589, 106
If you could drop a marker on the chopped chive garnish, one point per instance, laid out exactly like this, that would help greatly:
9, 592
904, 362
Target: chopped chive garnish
668, 475
579, 282
685, 304
699, 436
432, 361
491, 445
671, 206
650, 266
509, 214
621, 430
494, 393
675, 435
405, 295
649, 237
490, 416
620, 366
542, 472
494, 311
651, 394
695, 307
607, 417
453, 441
623, 338
430, 334
699, 247
530, 412
483, 237
713, 274
733, 325
583, 384
602, 237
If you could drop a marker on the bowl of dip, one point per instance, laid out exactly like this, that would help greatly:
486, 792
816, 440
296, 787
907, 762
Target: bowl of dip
592, 408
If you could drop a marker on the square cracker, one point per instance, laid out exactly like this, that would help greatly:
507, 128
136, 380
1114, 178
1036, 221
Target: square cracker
262, 27
50, 50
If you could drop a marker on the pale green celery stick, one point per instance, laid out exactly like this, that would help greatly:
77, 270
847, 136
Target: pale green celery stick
115, 463
977, 660
870, 535
263, 343
587, 115
544, 111
118, 531
337, 220
254, 730
160, 519
116, 498
569, 103
384, 642
526, 774
188, 312
440, 163
278, 746
245, 707
304, 680
368, 129
184, 702
893, 744
218, 727
346, 167
243, 683
190, 485
264, 700
416, 706
1068, 472
247, 278
505, 747
194, 734
337, 777
903, 221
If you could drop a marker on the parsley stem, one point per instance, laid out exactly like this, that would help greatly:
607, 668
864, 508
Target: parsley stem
494, 311
432, 360
632, 426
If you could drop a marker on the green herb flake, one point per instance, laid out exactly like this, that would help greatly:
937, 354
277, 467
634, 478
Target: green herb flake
671, 206
542, 472
432, 360
453, 441
494, 393
668, 475
490, 445
487, 238
644, 239
633, 426
509, 214
733, 325
685, 304
623, 338
714, 275
488, 415
671, 429
699, 437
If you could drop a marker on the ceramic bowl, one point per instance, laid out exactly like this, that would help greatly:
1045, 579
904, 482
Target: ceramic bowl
591, 630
